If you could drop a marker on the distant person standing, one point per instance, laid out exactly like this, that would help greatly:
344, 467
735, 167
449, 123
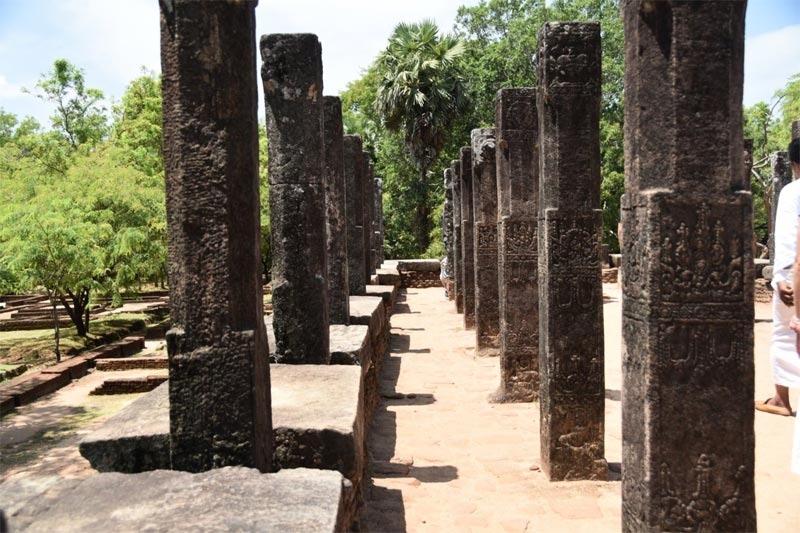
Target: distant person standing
785, 322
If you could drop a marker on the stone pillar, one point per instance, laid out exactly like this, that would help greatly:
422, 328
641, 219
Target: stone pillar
379, 218
219, 388
687, 393
572, 392
748, 163
467, 239
353, 172
373, 202
292, 76
366, 195
796, 129
518, 193
447, 221
458, 261
336, 214
781, 177
484, 198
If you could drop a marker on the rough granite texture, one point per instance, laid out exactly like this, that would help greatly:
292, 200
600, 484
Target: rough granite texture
292, 77
367, 183
687, 272
572, 393
379, 228
447, 218
217, 345
224, 499
484, 198
467, 273
518, 194
353, 170
336, 214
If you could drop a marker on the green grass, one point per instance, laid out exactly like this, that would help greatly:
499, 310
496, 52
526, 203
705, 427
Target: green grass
37, 347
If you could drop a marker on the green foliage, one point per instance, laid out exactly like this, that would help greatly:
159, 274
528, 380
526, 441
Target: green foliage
79, 115
421, 92
137, 125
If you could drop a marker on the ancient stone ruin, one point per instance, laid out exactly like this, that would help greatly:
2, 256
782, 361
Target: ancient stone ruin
687, 273
572, 388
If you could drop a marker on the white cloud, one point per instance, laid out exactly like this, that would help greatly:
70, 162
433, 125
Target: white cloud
9, 90
769, 60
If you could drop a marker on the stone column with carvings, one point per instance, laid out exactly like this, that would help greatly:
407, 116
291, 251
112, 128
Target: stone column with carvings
292, 77
219, 386
518, 193
781, 177
572, 393
484, 198
378, 259
447, 220
366, 196
687, 393
458, 260
353, 176
467, 239
336, 214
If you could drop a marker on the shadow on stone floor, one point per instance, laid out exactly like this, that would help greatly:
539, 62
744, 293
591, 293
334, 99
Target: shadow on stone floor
613, 395
403, 309
411, 398
401, 343
434, 474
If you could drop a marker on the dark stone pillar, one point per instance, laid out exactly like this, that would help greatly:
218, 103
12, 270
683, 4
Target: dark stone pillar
572, 393
379, 218
518, 193
781, 177
748, 163
484, 198
336, 214
220, 411
458, 261
447, 217
796, 129
292, 76
353, 172
687, 420
366, 194
467, 239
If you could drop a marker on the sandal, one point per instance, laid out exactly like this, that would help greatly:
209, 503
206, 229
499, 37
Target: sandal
772, 409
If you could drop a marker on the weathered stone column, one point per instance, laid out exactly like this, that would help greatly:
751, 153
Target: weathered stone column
366, 194
748, 164
379, 218
518, 193
687, 393
373, 202
467, 239
484, 198
458, 261
353, 172
795, 129
572, 392
447, 220
292, 76
336, 214
219, 388
781, 177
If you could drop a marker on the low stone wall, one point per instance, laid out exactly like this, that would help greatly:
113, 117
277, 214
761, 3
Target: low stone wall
419, 273
763, 291
30, 387
610, 275
132, 363
129, 385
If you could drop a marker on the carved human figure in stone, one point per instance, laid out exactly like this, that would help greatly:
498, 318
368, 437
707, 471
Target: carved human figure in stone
783, 351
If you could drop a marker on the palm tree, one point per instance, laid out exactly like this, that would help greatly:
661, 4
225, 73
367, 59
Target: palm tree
422, 91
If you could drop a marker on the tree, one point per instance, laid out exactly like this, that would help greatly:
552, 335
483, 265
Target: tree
421, 92
79, 115
138, 122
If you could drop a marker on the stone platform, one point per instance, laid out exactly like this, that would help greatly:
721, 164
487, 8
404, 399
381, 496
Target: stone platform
318, 418
227, 499
419, 273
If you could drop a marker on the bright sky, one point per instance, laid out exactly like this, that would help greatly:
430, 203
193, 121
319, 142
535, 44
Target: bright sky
113, 39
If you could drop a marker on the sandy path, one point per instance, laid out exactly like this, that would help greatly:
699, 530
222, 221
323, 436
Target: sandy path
471, 459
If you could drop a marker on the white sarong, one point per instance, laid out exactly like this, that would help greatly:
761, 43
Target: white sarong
783, 350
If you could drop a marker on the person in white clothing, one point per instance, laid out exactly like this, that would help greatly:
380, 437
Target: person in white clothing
783, 350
